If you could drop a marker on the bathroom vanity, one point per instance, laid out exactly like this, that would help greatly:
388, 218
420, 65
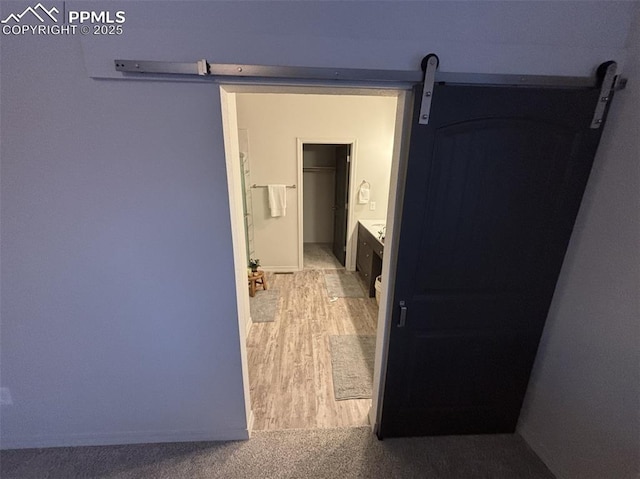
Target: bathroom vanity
370, 251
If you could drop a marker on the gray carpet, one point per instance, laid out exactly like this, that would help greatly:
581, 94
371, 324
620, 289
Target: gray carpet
320, 453
264, 306
352, 365
343, 285
320, 256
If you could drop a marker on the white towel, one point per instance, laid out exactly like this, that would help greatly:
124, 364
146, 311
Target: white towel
277, 200
363, 194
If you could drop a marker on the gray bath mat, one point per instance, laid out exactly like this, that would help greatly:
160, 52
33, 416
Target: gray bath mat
264, 306
343, 285
352, 365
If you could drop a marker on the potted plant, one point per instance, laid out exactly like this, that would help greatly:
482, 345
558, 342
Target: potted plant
254, 264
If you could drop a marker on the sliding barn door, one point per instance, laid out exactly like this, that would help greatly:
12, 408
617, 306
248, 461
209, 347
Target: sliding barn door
494, 183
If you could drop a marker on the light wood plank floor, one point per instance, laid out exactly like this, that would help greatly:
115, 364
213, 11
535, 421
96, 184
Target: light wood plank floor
289, 359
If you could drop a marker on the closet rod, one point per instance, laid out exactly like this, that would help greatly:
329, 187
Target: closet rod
265, 186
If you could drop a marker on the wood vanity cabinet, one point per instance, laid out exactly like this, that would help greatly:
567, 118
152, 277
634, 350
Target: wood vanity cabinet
369, 258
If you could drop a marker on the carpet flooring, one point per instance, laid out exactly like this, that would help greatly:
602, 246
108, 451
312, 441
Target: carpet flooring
327, 453
320, 256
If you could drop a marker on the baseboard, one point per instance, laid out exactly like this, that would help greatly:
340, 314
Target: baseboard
250, 422
280, 269
139, 437
537, 445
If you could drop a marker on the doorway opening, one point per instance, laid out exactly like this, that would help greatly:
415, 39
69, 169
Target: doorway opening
315, 319
326, 174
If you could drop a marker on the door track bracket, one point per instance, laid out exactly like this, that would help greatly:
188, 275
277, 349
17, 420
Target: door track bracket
606, 90
429, 66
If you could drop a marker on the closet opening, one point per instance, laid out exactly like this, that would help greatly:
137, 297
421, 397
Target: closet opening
325, 180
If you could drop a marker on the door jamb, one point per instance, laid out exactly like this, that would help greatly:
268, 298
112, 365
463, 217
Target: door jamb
353, 143
399, 161
236, 216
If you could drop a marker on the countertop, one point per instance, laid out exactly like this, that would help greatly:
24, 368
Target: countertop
373, 226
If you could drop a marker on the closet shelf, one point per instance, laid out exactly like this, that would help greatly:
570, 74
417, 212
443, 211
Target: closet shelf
318, 168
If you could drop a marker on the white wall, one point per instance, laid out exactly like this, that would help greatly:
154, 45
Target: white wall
118, 314
276, 121
582, 411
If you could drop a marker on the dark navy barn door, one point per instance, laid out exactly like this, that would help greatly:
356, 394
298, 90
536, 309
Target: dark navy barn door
494, 183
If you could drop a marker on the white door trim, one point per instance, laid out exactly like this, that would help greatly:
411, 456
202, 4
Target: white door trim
236, 213
396, 191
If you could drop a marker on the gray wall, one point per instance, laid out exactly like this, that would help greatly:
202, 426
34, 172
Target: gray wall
318, 196
118, 317
118, 322
582, 412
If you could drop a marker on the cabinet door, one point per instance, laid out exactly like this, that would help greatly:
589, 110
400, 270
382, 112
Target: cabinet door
364, 257
365, 250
